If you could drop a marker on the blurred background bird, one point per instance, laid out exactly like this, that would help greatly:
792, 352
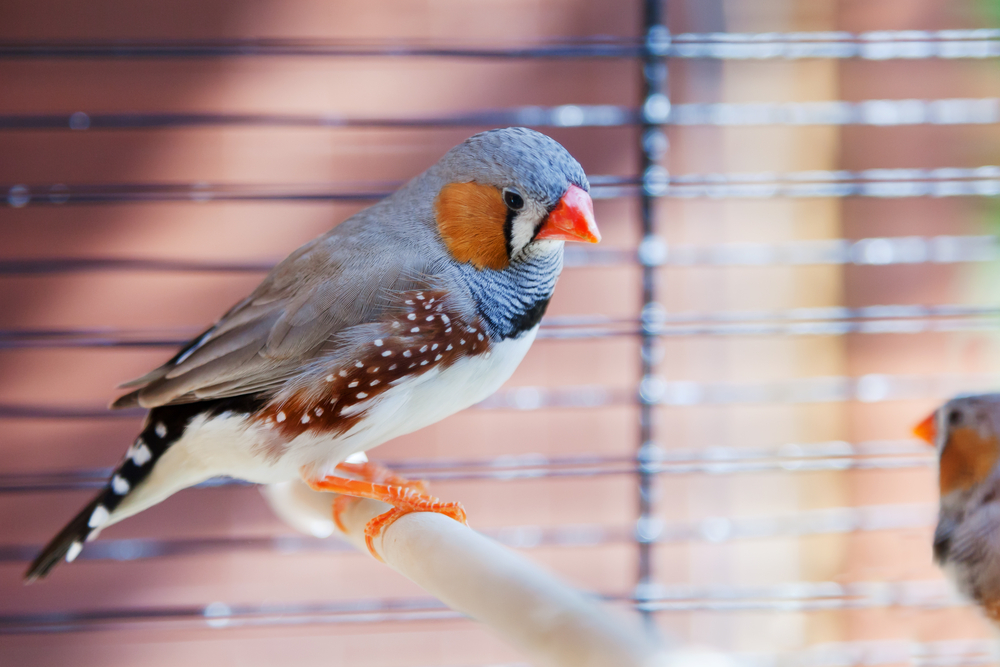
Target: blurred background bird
407, 312
966, 434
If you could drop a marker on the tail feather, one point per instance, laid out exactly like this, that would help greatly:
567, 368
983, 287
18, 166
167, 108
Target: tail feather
164, 426
66, 544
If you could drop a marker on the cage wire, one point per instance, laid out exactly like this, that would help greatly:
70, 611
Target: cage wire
653, 465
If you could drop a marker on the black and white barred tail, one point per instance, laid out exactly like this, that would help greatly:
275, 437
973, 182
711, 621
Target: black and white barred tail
67, 544
138, 462
163, 427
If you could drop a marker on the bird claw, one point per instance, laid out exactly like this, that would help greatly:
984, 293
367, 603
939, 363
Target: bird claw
379, 483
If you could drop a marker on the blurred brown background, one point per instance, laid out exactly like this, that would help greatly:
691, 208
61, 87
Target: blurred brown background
793, 515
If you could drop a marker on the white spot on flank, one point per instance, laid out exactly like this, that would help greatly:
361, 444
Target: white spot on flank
431, 301
461, 341
411, 316
448, 348
479, 336
437, 358
362, 394
445, 319
423, 349
359, 364
387, 353
353, 383
373, 383
409, 302
99, 517
356, 457
305, 419
393, 367
161, 429
140, 453
423, 363
415, 330
407, 354
119, 485
448, 330
395, 325
430, 318
329, 378
318, 411
434, 346
74, 550
410, 366
486, 355
280, 417
373, 369
342, 374
378, 342
420, 296
427, 306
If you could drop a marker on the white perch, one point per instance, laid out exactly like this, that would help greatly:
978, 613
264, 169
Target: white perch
551, 622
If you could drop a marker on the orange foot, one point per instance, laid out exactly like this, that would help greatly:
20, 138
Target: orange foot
379, 483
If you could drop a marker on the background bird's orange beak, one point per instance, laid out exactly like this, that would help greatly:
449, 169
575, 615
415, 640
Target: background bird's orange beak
572, 219
927, 430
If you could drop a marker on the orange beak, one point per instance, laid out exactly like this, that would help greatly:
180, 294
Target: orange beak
927, 430
572, 219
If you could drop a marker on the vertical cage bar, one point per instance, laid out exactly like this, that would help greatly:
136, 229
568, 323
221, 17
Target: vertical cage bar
652, 251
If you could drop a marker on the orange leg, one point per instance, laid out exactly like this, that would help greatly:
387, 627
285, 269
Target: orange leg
371, 472
378, 483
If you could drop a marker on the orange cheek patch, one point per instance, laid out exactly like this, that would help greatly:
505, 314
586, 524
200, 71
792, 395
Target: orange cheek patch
966, 460
470, 218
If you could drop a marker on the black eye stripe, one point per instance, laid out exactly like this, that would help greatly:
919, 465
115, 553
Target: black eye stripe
508, 231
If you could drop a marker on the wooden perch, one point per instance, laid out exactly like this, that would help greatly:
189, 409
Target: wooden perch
553, 623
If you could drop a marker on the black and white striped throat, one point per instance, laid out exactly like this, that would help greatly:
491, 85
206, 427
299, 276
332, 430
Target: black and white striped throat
513, 301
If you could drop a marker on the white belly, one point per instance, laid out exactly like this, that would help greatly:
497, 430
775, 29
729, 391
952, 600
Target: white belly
414, 404
227, 446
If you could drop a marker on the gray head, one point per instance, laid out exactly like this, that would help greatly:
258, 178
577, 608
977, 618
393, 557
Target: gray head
518, 158
967, 538
503, 194
964, 414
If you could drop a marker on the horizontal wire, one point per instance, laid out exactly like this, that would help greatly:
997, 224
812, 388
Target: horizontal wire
876, 45
656, 319
806, 596
595, 47
657, 110
788, 597
54, 265
878, 251
877, 183
718, 460
874, 183
652, 530
870, 388
654, 390
221, 615
567, 115
916, 320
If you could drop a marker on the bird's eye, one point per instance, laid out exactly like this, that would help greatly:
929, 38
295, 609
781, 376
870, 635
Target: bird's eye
954, 418
513, 199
